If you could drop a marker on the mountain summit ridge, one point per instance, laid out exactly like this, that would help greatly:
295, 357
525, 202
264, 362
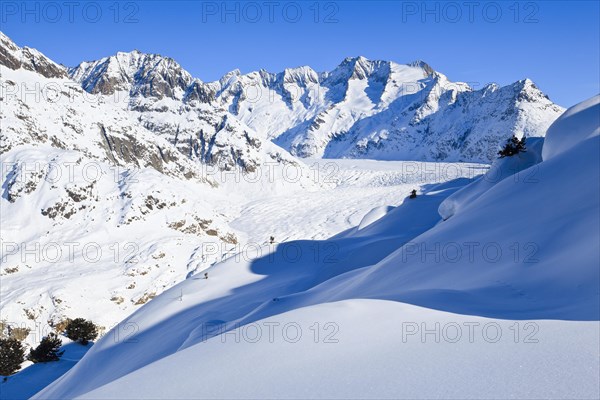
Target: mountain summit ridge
360, 109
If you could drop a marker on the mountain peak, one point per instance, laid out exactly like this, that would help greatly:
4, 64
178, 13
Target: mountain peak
150, 75
359, 59
357, 68
423, 65
5, 41
302, 75
15, 57
526, 90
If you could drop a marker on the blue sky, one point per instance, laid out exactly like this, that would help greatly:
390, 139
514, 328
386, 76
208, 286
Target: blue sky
556, 44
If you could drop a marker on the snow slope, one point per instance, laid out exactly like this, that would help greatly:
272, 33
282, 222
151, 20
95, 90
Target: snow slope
99, 242
576, 124
37, 376
546, 278
521, 166
366, 349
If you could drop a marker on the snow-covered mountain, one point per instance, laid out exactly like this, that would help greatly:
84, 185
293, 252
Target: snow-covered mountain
361, 109
93, 172
125, 176
137, 118
133, 141
160, 184
383, 110
411, 304
14, 57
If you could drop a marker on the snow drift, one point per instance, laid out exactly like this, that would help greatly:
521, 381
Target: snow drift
501, 169
576, 124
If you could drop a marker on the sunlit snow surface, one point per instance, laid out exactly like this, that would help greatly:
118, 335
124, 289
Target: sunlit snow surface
481, 287
534, 314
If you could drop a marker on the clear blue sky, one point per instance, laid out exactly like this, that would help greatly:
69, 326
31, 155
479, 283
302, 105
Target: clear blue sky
556, 44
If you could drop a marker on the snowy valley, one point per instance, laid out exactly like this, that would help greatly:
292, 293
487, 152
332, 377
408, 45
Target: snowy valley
254, 237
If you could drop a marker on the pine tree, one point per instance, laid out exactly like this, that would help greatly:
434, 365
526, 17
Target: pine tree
81, 330
47, 350
12, 355
513, 146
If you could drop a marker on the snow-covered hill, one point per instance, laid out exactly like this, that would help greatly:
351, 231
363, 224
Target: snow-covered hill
510, 263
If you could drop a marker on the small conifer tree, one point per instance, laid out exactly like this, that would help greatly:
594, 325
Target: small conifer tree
12, 355
513, 146
47, 350
81, 330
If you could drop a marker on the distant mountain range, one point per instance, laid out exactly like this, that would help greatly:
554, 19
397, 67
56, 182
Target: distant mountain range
361, 109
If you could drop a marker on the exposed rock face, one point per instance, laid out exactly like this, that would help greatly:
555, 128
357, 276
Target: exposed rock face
127, 150
14, 57
149, 75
